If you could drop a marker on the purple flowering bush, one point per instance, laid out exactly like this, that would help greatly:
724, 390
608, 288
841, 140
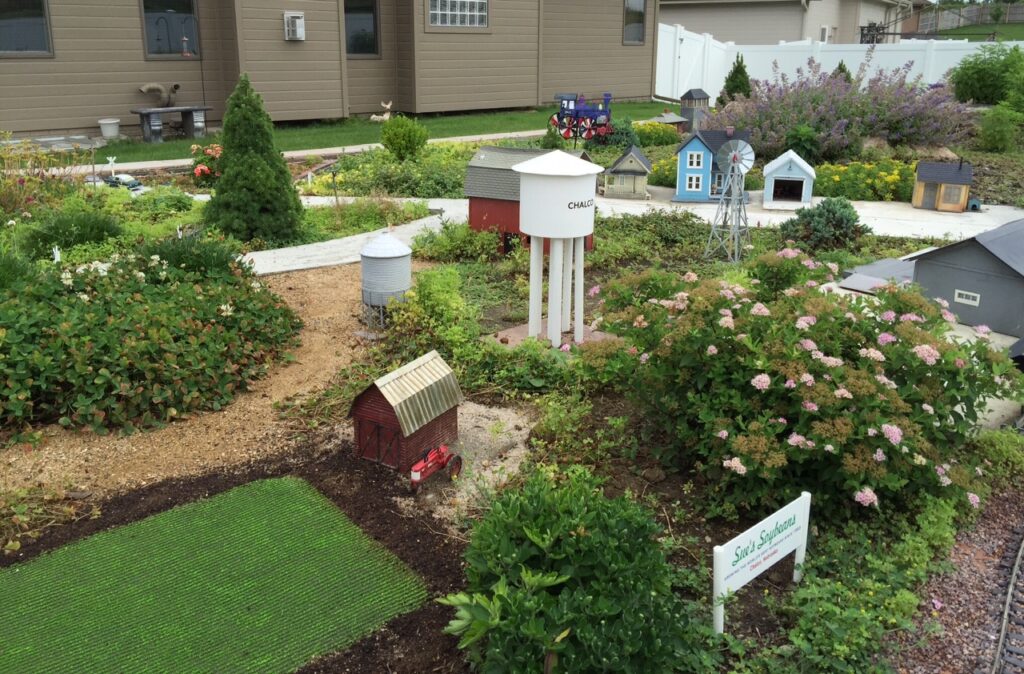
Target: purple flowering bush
889, 105
773, 386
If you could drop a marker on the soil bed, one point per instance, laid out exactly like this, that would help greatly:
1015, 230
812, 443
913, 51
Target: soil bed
366, 493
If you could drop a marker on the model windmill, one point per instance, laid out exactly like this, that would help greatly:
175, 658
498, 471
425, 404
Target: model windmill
729, 230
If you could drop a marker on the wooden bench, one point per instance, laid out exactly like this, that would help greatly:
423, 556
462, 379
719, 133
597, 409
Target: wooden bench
193, 121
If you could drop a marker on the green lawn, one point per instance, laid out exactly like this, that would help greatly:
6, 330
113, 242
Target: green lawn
980, 33
262, 578
356, 131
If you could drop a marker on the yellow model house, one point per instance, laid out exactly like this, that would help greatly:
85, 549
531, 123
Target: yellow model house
943, 186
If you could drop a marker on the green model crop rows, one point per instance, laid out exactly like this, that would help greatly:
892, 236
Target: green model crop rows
262, 578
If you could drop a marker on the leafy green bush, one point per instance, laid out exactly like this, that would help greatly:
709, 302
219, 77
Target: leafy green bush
14, 270
74, 224
737, 83
1015, 88
84, 253
403, 137
207, 256
983, 77
255, 198
622, 135
1000, 129
664, 173
772, 387
437, 172
552, 140
655, 133
884, 180
754, 179
832, 224
1002, 452
161, 202
803, 140
133, 343
561, 577
455, 242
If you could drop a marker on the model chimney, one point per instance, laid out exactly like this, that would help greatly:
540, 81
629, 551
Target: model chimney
729, 130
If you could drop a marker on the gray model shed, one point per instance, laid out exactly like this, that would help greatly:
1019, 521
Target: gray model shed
981, 277
788, 181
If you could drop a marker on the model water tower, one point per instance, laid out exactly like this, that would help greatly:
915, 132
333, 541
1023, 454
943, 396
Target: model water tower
556, 208
387, 275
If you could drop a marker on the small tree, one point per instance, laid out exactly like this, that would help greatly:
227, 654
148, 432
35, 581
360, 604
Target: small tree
843, 72
737, 82
552, 140
803, 140
403, 137
255, 197
832, 224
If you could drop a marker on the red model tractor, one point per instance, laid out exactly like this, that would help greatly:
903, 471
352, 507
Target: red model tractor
434, 460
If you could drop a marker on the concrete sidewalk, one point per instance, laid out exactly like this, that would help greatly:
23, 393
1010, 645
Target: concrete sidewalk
325, 152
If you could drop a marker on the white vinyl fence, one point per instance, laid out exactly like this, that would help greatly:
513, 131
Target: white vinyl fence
689, 60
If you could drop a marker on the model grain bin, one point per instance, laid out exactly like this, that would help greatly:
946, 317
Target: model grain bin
407, 412
387, 275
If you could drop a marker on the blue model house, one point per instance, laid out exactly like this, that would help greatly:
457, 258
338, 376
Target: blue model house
698, 176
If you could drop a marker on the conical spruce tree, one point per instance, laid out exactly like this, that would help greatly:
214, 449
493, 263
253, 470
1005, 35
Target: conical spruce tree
843, 72
736, 82
254, 197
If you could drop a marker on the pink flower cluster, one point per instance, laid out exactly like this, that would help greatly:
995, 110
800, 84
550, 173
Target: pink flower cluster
797, 440
808, 345
866, 497
724, 435
886, 338
760, 310
594, 292
973, 499
843, 393
690, 277
761, 382
727, 322
948, 316
911, 318
928, 353
982, 330
885, 381
888, 316
872, 354
640, 322
892, 433
941, 302
807, 379
805, 322
735, 465
827, 361
788, 253
712, 350
879, 455
810, 406
810, 264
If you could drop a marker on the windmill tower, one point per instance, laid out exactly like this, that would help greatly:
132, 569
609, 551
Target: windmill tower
729, 230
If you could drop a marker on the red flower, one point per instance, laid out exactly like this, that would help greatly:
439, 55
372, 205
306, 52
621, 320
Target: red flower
201, 170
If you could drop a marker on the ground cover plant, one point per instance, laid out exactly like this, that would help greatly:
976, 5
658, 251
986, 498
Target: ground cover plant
26, 514
883, 180
889, 105
134, 342
829, 225
264, 577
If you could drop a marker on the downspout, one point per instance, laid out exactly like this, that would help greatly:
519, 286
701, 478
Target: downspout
654, 54
343, 54
540, 52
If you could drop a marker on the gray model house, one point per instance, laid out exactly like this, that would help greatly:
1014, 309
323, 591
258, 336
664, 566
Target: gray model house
627, 177
981, 277
788, 182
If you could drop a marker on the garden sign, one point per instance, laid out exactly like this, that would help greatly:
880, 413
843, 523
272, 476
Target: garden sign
745, 557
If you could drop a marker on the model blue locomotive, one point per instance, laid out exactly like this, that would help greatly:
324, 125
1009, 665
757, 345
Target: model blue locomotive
578, 119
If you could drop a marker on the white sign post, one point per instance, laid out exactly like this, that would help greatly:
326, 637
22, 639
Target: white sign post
747, 556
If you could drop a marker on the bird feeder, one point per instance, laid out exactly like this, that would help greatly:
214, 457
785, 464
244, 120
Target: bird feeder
556, 202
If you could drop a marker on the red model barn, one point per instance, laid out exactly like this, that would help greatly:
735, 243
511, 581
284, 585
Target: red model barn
493, 191
407, 412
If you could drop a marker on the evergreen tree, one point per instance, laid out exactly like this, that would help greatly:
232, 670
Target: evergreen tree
254, 197
736, 82
843, 72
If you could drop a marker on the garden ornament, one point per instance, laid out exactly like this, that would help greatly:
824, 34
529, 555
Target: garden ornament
164, 98
111, 161
56, 254
386, 115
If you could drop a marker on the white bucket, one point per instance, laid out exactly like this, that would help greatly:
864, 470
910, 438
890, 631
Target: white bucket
110, 128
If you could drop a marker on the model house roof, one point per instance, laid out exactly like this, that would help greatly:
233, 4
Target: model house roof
668, 118
714, 139
784, 158
637, 154
695, 95
490, 173
420, 391
949, 173
1006, 243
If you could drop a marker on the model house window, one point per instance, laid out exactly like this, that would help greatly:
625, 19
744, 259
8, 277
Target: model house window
951, 194
622, 180
469, 13
634, 22
964, 297
171, 28
695, 160
719, 181
24, 30
361, 27
694, 183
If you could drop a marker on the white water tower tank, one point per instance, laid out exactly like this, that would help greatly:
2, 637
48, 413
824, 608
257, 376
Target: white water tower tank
386, 270
556, 196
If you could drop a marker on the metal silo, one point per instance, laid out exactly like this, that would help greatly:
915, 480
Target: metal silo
387, 274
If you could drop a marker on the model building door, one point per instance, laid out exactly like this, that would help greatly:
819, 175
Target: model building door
931, 195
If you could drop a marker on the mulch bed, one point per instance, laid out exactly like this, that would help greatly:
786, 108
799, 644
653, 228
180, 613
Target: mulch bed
412, 643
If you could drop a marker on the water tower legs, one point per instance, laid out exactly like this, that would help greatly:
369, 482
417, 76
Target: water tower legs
556, 260
536, 286
577, 332
567, 285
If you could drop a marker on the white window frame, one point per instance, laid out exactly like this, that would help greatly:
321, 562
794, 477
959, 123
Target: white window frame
695, 160
966, 297
694, 183
451, 12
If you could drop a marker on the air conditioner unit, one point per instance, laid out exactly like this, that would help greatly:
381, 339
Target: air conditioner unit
826, 33
294, 26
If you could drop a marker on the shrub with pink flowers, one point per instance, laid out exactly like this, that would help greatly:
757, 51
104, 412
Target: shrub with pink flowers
772, 386
206, 168
889, 104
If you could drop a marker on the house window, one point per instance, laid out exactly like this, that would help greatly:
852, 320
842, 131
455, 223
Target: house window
24, 29
634, 22
171, 28
458, 13
622, 180
694, 183
964, 297
951, 194
361, 27
719, 181
695, 160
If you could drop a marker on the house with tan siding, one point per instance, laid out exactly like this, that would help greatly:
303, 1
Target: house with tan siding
64, 64
772, 21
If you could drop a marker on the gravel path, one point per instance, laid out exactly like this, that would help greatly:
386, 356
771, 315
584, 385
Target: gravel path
967, 603
327, 300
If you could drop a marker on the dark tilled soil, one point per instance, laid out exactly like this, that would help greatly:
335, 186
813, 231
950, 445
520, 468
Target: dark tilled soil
412, 643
